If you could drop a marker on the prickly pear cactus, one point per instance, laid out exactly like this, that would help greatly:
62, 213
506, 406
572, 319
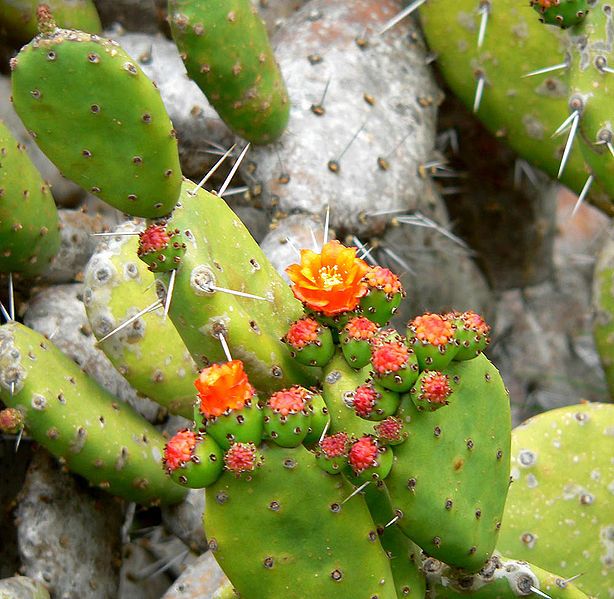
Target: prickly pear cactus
117, 286
560, 509
112, 134
226, 50
29, 225
523, 90
18, 17
79, 422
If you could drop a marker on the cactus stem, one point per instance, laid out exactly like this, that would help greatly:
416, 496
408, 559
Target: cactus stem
556, 67
572, 135
400, 16
225, 346
583, 194
212, 170
484, 11
392, 521
157, 304
479, 92
538, 592
11, 297
169, 293
327, 218
233, 170
356, 491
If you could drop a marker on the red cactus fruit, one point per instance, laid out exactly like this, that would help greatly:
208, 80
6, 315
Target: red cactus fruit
289, 401
360, 328
11, 420
433, 329
335, 445
302, 332
389, 356
384, 279
390, 430
363, 454
179, 450
435, 387
153, 239
364, 400
475, 322
242, 457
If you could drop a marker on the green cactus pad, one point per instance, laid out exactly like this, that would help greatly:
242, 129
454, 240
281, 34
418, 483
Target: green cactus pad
225, 48
149, 353
18, 17
78, 421
111, 134
523, 111
560, 509
272, 541
453, 516
222, 255
562, 13
29, 225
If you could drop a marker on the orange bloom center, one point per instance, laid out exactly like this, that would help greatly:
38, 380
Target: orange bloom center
179, 449
331, 282
303, 332
433, 329
223, 387
384, 279
435, 387
361, 328
289, 401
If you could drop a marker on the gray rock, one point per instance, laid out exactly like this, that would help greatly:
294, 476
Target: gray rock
65, 192
356, 98
22, 587
200, 579
185, 520
58, 313
276, 12
69, 536
202, 135
77, 245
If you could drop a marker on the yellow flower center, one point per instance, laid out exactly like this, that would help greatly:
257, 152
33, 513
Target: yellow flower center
330, 276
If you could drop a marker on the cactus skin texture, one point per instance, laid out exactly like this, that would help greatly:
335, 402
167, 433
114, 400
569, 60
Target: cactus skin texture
560, 509
225, 48
222, 253
111, 134
117, 285
524, 112
29, 225
18, 17
289, 560
81, 423
501, 578
453, 516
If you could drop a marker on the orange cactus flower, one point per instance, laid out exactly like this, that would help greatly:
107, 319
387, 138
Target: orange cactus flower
331, 282
223, 387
